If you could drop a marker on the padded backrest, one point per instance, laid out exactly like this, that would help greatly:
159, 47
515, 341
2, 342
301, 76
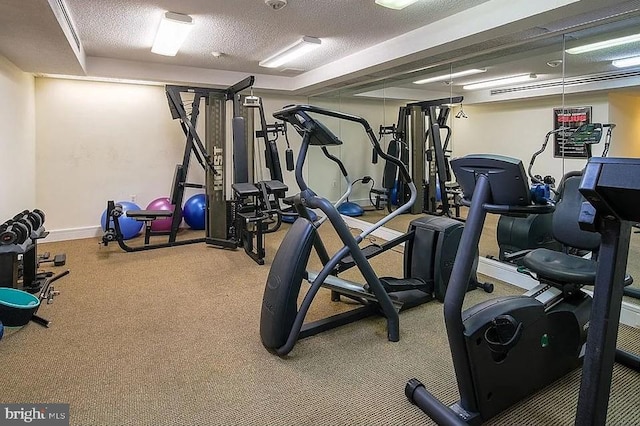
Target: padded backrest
565, 225
390, 169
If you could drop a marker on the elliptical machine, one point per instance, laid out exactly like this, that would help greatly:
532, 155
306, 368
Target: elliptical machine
430, 249
506, 349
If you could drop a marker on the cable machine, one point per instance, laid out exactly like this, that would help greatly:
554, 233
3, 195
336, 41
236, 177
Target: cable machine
229, 223
429, 151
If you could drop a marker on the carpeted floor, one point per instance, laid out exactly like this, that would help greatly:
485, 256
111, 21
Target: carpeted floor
170, 337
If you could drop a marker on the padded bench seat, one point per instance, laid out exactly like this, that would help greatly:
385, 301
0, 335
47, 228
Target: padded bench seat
146, 215
253, 189
275, 186
245, 189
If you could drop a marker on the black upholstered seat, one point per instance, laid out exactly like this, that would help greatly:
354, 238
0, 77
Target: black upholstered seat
559, 267
245, 189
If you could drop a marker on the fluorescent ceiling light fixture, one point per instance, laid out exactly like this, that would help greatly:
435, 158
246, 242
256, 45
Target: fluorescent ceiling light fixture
500, 82
296, 50
604, 44
395, 4
172, 32
627, 62
450, 76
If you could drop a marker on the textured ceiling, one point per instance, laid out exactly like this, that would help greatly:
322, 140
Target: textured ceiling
31, 35
247, 31
504, 36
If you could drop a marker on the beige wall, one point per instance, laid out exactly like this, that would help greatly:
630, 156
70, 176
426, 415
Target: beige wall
624, 110
100, 141
17, 141
356, 151
518, 129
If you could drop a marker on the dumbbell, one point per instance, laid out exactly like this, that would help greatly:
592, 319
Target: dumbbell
34, 220
40, 213
14, 232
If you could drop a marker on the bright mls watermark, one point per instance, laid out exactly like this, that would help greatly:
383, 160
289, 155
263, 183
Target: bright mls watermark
34, 414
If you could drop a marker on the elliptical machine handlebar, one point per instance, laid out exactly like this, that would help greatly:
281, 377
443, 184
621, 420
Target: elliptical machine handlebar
296, 115
540, 151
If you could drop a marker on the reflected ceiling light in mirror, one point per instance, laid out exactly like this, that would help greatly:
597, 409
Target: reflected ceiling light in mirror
395, 4
500, 81
450, 76
604, 44
296, 50
627, 62
172, 32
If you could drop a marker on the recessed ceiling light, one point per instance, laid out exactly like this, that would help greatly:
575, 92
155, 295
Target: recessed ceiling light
216, 54
627, 62
297, 49
450, 76
604, 44
172, 32
555, 63
395, 4
500, 82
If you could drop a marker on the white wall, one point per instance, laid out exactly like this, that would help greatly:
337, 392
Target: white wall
518, 128
17, 141
624, 111
99, 142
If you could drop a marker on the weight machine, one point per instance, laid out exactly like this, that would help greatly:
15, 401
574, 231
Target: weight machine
428, 149
239, 222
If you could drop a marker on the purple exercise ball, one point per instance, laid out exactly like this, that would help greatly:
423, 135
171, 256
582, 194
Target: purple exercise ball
162, 203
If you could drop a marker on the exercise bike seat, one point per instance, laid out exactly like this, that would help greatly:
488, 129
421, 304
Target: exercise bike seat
556, 266
559, 267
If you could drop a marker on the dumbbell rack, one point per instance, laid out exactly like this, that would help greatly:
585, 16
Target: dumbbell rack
18, 251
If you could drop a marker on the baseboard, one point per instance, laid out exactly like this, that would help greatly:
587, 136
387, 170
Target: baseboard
382, 232
73, 234
630, 314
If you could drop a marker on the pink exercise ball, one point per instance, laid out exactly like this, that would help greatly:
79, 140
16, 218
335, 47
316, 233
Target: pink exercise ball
162, 203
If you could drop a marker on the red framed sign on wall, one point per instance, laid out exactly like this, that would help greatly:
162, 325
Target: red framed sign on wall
571, 118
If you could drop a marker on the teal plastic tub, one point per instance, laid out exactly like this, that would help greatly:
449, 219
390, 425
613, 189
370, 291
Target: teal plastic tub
17, 307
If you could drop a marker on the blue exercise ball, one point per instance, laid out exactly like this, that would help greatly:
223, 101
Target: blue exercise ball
129, 227
194, 211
